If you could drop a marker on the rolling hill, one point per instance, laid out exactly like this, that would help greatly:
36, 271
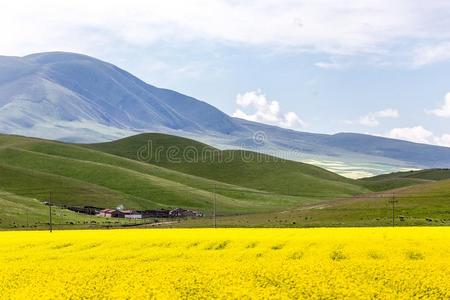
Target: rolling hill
236, 167
83, 175
77, 98
403, 179
250, 189
425, 204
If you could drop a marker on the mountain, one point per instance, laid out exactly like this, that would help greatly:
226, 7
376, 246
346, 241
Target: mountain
69, 96
77, 98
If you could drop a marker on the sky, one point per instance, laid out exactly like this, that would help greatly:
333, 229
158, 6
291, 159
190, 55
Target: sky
377, 67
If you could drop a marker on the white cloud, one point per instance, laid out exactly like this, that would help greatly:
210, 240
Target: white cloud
430, 54
369, 120
419, 134
333, 27
265, 111
388, 113
328, 65
444, 110
443, 140
416, 134
373, 119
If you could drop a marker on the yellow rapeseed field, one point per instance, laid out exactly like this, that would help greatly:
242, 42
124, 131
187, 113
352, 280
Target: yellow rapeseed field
363, 263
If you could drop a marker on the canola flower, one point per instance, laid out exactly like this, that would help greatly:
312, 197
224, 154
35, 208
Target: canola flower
353, 263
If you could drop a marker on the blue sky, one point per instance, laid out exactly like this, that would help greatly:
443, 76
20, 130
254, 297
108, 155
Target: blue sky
378, 67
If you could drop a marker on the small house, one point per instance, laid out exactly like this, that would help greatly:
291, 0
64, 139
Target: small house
162, 213
132, 214
111, 213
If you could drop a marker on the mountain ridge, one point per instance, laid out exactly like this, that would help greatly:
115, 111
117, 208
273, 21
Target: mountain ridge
77, 98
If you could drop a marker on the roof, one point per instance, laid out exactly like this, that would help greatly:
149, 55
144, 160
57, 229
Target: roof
108, 210
130, 212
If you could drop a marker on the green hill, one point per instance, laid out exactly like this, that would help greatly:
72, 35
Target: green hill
25, 212
426, 204
82, 175
404, 179
423, 204
152, 171
236, 167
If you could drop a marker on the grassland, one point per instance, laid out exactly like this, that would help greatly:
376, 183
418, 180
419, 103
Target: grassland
80, 175
236, 167
19, 212
424, 204
364, 263
249, 189
403, 179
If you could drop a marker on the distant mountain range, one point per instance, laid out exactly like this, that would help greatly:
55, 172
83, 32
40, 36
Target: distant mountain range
77, 98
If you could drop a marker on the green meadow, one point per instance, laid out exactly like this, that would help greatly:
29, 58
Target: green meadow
153, 171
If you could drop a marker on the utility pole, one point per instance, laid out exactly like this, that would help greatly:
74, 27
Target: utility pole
50, 212
393, 201
27, 219
214, 201
387, 208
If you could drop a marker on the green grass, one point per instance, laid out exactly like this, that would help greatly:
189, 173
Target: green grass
19, 212
236, 167
83, 176
24, 212
428, 174
425, 204
403, 179
250, 189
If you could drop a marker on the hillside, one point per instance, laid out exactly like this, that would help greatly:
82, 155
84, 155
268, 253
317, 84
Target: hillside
236, 167
250, 189
425, 204
403, 179
25, 212
80, 175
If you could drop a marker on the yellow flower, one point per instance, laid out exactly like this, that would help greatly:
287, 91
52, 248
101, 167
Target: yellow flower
353, 263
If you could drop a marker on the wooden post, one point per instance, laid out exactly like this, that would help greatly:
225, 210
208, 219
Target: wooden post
214, 200
50, 212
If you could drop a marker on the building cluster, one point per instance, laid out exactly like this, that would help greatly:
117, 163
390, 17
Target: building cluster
144, 214
136, 214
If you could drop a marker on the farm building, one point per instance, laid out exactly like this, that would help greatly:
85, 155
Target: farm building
111, 213
180, 212
162, 213
136, 214
132, 214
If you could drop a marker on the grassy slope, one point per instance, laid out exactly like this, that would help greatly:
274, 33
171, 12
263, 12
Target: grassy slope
18, 211
424, 204
236, 167
404, 179
83, 176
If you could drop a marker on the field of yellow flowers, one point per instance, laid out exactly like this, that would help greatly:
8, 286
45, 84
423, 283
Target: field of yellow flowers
226, 263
